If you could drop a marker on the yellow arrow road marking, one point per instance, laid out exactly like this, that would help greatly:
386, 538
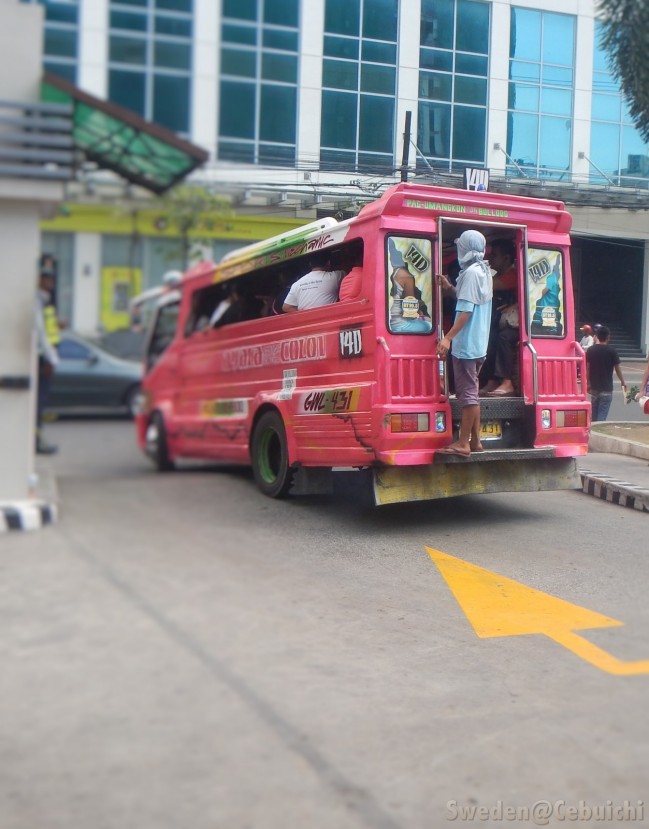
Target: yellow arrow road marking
498, 606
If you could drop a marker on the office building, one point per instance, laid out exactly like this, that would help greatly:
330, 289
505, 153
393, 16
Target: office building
302, 105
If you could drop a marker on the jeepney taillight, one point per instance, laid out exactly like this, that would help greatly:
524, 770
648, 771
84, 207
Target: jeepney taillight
572, 417
410, 422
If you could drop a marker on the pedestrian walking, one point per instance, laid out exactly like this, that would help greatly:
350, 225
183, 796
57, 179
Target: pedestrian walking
601, 360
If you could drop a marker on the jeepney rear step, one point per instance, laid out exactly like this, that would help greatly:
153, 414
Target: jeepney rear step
501, 470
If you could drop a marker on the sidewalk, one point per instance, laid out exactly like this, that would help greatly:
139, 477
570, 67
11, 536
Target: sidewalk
616, 468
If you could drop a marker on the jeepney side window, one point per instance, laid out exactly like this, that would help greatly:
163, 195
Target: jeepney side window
409, 283
546, 292
164, 330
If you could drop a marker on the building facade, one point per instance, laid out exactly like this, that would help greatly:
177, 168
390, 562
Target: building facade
302, 105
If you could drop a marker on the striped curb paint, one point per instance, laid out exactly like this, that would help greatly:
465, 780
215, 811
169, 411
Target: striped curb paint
26, 515
615, 491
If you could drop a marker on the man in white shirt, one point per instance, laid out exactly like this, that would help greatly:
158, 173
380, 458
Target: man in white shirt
588, 339
318, 287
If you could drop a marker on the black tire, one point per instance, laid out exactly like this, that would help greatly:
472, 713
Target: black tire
269, 453
156, 442
130, 400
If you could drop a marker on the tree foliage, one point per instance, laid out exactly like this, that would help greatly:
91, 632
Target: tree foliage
626, 39
192, 212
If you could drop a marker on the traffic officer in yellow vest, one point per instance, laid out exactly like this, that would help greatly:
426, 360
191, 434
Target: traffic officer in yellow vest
47, 339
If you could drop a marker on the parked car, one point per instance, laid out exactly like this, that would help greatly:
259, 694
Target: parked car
90, 380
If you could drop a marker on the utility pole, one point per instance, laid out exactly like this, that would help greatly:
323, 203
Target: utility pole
406, 147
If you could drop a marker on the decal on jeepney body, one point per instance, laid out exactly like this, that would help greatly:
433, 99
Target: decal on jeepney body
351, 342
295, 350
289, 381
231, 407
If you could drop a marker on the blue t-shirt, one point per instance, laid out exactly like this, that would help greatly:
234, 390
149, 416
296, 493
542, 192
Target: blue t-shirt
471, 342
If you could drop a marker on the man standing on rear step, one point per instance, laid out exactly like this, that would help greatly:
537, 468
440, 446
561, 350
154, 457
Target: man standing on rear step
601, 359
469, 336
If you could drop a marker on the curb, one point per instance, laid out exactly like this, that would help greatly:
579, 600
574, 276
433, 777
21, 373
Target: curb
614, 491
26, 515
34, 512
617, 446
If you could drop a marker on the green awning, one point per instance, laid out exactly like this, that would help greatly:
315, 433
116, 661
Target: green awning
117, 139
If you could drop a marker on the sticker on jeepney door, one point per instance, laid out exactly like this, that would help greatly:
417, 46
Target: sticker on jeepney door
289, 381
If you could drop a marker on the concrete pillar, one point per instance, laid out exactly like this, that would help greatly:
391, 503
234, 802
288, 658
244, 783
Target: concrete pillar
206, 72
22, 203
93, 48
87, 283
310, 88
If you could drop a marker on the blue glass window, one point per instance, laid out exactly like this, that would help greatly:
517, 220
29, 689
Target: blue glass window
437, 23
374, 52
358, 97
341, 47
454, 41
62, 13
260, 42
60, 43
470, 90
469, 129
276, 67
240, 9
127, 50
128, 20
380, 22
343, 17
237, 110
173, 26
244, 35
171, 101
127, 89
379, 79
555, 141
523, 138
617, 150
285, 13
606, 108
434, 129
436, 59
472, 27
175, 5
339, 118
541, 91
556, 101
150, 43
376, 124
172, 55
338, 74
282, 40
524, 97
606, 137
278, 119
435, 86
239, 62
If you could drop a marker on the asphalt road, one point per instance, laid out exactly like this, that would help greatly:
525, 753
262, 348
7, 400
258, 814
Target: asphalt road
179, 652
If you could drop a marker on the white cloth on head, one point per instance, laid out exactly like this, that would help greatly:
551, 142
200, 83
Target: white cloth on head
475, 282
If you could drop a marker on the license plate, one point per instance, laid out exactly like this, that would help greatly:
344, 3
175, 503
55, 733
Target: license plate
491, 430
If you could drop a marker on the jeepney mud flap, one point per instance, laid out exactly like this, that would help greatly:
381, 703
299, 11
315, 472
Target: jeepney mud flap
397, 484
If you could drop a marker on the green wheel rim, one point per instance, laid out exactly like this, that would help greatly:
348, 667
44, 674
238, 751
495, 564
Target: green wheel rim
269, 456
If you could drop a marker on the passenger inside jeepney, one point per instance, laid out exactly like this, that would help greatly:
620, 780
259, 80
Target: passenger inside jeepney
497, 375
